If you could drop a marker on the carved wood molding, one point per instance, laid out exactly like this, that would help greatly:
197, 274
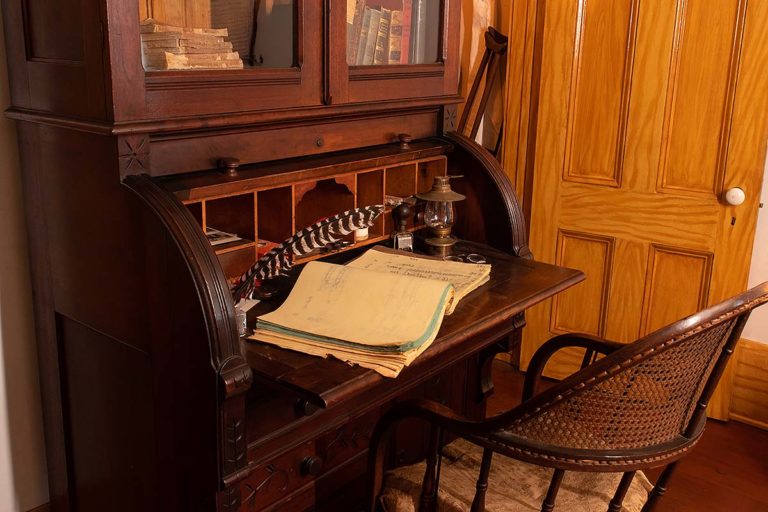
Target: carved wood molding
206, 272
234, 441
133, 154
495, 173
450, 118
274, 474
230, 499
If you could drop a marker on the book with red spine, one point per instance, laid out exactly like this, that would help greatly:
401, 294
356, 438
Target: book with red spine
405, 44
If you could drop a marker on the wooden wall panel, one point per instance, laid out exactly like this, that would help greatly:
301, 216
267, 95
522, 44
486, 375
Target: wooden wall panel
182, 13
700, 95
601, 75
54, 31
582, 308
677, 285
145, 9
749, 402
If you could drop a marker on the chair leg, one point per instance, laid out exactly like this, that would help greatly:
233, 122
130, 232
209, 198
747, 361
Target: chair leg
478, 504
660, 488
621, 491
376, 466
554, 486
428, 500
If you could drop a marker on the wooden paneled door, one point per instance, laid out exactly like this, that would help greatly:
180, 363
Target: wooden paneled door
648, 110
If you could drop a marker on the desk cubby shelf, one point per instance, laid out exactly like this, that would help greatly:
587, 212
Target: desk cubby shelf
264, 208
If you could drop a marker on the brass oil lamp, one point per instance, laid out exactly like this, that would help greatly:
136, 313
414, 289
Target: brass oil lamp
440, 214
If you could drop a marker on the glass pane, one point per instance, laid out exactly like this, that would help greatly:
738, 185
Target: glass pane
217, 34
392, 31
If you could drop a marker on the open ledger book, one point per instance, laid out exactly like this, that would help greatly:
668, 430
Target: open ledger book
380, 311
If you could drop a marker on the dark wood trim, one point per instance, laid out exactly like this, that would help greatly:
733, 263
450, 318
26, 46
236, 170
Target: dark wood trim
45, 317
238, 119
176, 80
491, 168
271, 175
206, 271
45, 507
396, 71
533, 111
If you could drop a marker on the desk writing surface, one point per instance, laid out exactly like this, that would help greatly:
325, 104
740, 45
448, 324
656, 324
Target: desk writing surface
515, 285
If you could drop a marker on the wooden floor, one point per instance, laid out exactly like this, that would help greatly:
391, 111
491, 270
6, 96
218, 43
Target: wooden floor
726, 472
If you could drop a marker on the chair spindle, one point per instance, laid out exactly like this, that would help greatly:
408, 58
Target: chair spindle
478, 504
554, 486
621, 491
428, 500
660, 488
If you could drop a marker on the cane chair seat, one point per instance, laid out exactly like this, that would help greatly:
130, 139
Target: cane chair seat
513, 486
641, 405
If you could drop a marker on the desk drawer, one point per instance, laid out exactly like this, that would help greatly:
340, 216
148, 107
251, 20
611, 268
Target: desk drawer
272, 480
281, 476
344, 443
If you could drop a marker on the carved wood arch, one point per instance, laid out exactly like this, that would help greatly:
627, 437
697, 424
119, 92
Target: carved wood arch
490, 196
235, 375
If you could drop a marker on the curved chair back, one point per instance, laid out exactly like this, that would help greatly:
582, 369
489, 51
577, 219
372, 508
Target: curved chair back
648, 393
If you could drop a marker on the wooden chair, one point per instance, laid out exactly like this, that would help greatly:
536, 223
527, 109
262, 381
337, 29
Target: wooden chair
487, 72
640, 406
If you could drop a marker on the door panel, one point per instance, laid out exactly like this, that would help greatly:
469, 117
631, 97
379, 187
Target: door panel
604, 46
677, 284
647, 111
593, 254
699, 96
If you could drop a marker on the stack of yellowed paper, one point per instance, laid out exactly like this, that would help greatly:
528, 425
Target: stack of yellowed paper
381, 311
165, 47
465, 277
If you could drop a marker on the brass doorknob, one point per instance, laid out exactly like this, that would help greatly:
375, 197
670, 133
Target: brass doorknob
734, 196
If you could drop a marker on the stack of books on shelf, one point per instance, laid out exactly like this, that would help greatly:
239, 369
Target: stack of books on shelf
377, 34
381, 311
218, 237
165, 47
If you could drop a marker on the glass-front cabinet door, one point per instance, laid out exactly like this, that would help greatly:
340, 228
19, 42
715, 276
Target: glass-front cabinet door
396, 49
393, 32
207, 57
218, 34
231, 55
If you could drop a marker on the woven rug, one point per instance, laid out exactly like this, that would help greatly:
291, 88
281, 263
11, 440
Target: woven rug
512, 486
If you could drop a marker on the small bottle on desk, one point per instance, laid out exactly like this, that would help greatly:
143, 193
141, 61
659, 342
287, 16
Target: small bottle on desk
401, 238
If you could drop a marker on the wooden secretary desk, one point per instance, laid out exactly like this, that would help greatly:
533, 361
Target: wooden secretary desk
151, 401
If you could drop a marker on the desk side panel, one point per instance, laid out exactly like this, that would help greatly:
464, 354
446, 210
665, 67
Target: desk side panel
129, 381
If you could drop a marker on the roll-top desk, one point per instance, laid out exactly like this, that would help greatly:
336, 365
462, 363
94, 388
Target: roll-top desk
150, 399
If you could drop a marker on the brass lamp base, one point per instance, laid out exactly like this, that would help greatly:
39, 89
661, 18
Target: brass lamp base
440, 245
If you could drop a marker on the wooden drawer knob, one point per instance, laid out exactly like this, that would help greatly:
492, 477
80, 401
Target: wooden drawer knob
312, 466
304, 408
230, 165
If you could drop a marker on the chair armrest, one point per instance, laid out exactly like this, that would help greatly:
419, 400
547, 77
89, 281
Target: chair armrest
547, 350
